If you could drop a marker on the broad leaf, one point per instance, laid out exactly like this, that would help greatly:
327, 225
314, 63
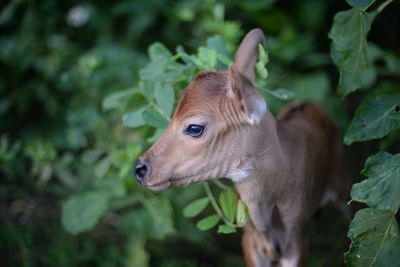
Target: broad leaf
389, 254
369, 232
81, 212
208, 222
374, 118
227, 201
226, 229
207, 58
349, 48
194, 208
134, 118
382, 189
165, 96
154, 118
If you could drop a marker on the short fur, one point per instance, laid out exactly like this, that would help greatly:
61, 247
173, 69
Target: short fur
282, 167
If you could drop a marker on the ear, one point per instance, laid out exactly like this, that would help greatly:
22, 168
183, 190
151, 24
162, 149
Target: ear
242, 89
247, 54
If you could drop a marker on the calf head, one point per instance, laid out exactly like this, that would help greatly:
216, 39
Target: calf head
207, 134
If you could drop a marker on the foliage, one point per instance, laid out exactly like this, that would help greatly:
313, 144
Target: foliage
81, 98
373, 231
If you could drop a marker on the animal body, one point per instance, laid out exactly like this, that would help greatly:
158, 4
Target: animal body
282, 167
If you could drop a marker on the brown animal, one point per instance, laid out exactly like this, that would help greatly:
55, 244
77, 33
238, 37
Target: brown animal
282, 167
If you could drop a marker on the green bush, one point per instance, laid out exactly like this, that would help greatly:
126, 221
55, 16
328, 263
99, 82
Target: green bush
84, 90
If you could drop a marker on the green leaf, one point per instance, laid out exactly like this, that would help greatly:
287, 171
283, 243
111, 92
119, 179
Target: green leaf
207, 58
165, 97
360, 3
311, 87
152, 71
349, 48
382, 189
369, 232
159, 221
262, 61
147, 88
242, 213
81, 212
117, 99
208, 222
374, 118
157, 51
227, 200
225, 59
217, 43
389, 253
154, 118
137, 254
226, 229
194, 208
283, 94
134, 118
102, 167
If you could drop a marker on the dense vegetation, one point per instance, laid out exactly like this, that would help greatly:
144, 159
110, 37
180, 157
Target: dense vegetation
85, 88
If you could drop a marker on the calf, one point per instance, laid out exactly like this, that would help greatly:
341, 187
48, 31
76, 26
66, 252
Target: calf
282, 167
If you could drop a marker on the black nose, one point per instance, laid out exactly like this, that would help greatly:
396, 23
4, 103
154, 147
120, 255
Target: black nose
140, 171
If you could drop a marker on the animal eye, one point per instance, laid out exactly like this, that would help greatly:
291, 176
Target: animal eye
194, 130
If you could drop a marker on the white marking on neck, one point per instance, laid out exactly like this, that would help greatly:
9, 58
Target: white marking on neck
240, 174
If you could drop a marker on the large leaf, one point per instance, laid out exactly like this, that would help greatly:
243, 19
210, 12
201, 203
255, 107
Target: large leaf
134, 118
207, 58
374, 118
228, 202
389, 254
194, 208
83, 211
382, 189
165, 97
370, 231
154, 118
349, 48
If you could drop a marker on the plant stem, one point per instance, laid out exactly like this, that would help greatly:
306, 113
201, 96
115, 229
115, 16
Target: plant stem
215, 205
221, 185
383, 5
155, 106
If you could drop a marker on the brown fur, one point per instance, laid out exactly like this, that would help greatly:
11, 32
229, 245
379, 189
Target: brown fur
282, 167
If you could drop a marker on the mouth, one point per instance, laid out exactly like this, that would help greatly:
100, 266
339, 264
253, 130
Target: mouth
170, 182
159, 186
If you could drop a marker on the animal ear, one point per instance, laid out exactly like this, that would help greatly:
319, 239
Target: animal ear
242, 89
247, 54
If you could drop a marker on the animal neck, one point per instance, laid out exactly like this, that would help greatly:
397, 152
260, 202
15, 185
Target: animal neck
266, 164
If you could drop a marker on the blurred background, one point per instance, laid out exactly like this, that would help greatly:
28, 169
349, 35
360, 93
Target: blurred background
64, 144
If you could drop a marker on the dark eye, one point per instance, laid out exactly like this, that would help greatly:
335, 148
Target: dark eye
194, 130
